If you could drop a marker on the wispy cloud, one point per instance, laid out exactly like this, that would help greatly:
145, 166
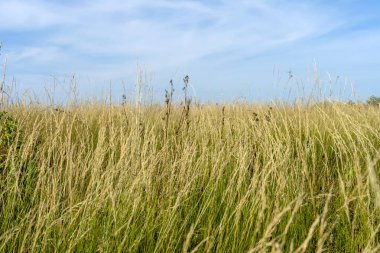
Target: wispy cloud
111, 36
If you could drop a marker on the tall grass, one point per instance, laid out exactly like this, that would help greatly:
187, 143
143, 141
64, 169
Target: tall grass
228, 178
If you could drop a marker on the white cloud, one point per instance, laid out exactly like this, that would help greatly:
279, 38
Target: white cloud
26, 15
111, 36
177, 30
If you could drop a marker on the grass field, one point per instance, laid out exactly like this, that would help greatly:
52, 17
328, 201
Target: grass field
190, 178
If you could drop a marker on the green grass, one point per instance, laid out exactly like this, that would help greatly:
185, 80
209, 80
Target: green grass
232, 178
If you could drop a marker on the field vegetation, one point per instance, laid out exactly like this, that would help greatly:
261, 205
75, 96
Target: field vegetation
190, 177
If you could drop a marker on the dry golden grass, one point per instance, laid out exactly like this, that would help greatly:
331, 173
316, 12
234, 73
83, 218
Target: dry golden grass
227, 178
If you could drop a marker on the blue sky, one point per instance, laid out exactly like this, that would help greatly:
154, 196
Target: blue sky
230, 49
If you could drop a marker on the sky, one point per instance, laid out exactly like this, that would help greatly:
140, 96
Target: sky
254, 50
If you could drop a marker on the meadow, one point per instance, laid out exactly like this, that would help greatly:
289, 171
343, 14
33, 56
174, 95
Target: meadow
187, 177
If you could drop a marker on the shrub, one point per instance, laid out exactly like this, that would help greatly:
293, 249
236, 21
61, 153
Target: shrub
373, 100
7, 132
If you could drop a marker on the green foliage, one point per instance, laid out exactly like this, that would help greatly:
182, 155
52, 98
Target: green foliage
8, 130
373, 100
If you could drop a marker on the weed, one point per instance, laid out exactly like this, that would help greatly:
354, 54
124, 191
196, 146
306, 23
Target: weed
92, 178
168, 107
